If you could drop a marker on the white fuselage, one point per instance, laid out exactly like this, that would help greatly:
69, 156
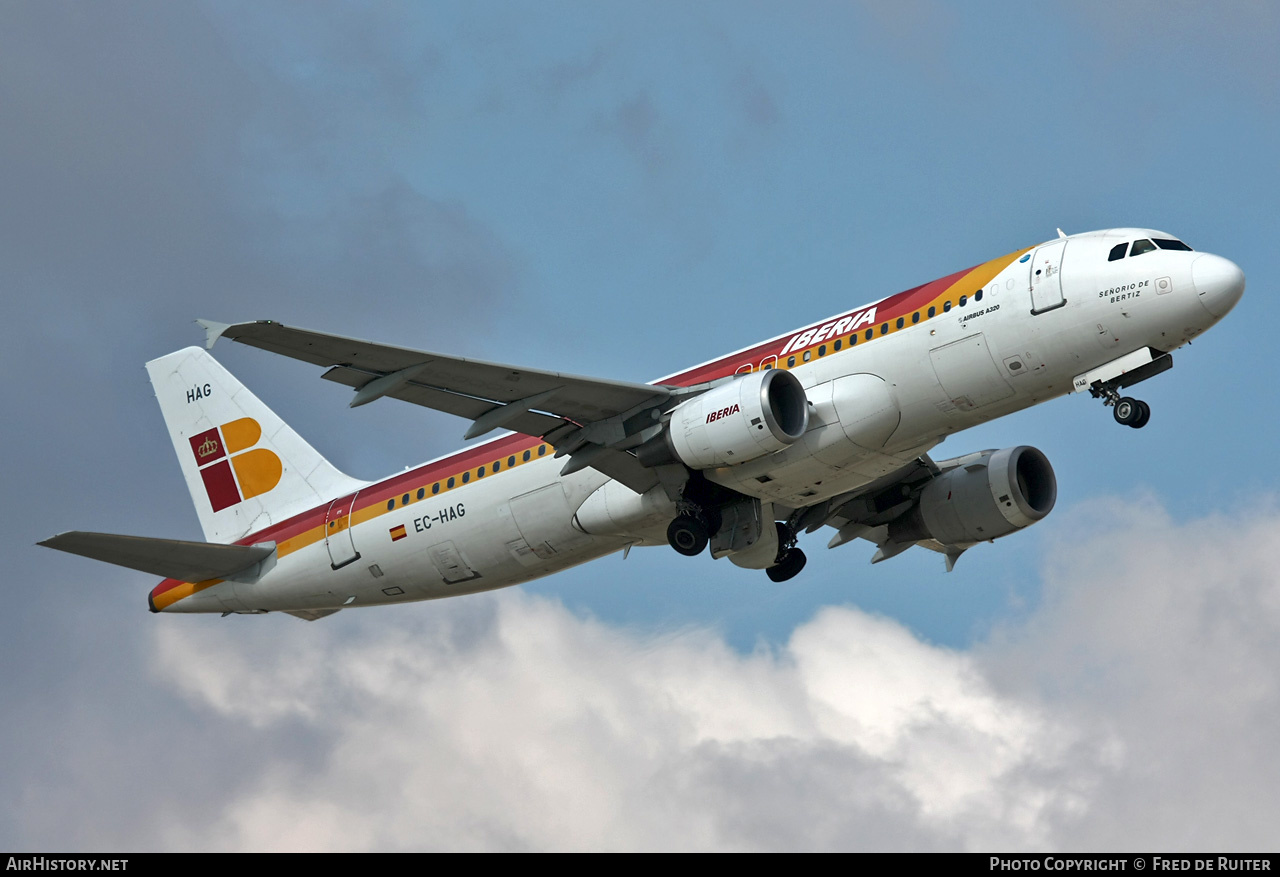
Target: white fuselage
1054, 312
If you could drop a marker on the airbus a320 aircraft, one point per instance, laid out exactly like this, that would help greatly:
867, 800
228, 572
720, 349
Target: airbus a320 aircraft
826, 426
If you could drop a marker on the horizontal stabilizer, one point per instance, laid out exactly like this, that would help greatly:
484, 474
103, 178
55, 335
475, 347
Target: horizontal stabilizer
170, 558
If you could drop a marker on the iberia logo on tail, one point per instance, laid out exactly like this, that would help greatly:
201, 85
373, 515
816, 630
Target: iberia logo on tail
232, 473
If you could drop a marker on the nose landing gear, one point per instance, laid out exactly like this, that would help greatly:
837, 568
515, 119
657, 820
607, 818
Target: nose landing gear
1127, 411
1131, 412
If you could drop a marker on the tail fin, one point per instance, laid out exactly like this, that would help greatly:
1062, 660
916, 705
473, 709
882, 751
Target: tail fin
245, 468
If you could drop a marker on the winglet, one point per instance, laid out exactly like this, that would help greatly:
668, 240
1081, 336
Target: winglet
212, 331
1061, 235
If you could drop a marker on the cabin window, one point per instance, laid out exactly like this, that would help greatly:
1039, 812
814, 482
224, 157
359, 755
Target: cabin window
422, 492
946, 306
450, 484
977, 296
1117, 252
480, 472
932, 311
964, 300
497, 465
511, 461
542, 449
435, 488
869, 333
791, 362
526, 456
1140, 247
822, 350
404, 500
466, 476
915, 318
391, 503
884, 328
1171, 244
901, 322
839, 343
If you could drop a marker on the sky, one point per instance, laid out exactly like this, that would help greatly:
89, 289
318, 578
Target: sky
623, 190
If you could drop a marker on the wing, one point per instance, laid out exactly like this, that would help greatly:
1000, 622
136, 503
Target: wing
594, 421
865, 513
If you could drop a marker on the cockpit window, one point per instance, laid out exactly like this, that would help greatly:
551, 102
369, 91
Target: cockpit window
1117, 252
1142, 246
1171, 244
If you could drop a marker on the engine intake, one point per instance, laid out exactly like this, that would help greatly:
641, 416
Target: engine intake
985, 496
738, 421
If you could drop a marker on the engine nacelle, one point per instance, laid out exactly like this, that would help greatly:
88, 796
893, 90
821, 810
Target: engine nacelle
987, 495
741, 420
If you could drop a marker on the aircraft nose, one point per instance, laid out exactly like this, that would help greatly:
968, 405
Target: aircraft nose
1219, 281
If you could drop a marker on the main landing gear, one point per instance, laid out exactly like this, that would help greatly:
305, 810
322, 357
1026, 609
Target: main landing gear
692, 529
790, 558
688, 535
1127, 411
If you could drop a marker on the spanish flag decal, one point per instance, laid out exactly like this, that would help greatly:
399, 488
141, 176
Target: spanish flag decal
398, 533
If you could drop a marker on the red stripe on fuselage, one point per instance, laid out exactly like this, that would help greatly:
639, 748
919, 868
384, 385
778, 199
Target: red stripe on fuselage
503, 447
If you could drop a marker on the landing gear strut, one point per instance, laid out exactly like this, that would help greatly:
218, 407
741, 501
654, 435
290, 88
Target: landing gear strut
790, 558
1127, 411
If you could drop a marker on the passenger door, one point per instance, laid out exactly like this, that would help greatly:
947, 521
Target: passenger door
337, 532
1046, 277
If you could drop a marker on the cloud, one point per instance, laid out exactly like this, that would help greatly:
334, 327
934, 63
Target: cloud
1163, 633
1135, 708
512, 723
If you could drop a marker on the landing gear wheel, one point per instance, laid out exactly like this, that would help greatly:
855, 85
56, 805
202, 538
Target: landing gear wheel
788, 566
1144, 414
1127, 411
687, 535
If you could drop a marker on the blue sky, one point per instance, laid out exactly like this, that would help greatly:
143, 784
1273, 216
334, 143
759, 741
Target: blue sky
611, 189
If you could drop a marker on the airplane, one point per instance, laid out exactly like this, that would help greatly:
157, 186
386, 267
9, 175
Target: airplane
829, 425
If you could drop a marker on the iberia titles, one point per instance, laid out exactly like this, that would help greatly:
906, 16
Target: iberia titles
723, 412
832, 329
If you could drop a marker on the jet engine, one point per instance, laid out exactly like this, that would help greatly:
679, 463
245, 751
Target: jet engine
741, 420
984, 496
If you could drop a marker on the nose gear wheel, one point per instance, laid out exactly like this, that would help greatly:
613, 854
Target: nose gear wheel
1126, 410
1131, 412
